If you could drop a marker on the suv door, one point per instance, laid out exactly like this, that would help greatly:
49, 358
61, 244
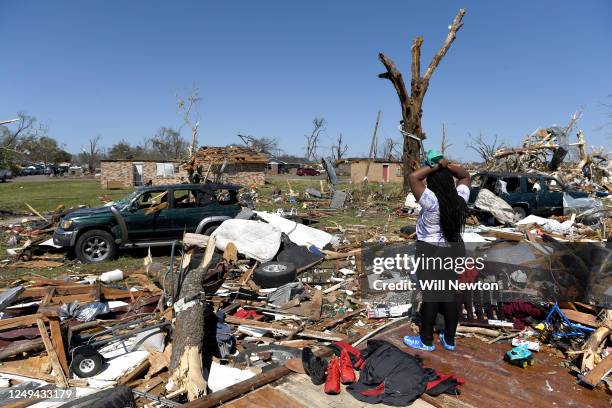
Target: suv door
186, 211
140, 224
550, 197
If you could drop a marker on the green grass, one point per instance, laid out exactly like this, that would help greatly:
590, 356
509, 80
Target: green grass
47, 195
372, 206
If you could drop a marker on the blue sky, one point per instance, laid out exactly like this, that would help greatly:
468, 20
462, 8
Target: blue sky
267, 68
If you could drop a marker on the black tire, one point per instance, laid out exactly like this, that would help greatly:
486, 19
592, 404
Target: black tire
274, 274
86, 362
95, 246
210, 230
116, 397
519, 212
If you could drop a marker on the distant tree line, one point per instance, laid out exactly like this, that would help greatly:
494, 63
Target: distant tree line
27, 141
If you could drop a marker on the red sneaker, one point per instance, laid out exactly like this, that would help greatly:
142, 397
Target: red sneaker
347, 374
332, 383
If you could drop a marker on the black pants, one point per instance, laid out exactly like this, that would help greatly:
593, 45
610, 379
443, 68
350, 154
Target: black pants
429, 312
434, 302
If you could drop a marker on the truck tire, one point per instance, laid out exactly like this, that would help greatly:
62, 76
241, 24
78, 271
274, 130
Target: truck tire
519, 213
274, 274
116, 397
95, 246
210, 230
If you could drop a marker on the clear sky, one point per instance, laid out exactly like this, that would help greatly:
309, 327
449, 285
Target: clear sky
266, 68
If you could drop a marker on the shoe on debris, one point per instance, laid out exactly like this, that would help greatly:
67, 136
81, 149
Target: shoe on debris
332, 383
417, 343
314, 366
347, 374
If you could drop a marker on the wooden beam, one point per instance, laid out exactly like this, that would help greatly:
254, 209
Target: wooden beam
21, 321
62, 381
58, 343
286, 330
602, 369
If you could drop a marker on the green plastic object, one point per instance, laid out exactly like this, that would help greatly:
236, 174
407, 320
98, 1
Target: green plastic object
433, 157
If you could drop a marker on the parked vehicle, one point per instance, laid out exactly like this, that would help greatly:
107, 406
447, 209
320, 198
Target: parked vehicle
307, 171
150, 216
5, 174
527, 193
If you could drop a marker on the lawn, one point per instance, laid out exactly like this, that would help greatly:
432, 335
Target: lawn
372, 206
47, 195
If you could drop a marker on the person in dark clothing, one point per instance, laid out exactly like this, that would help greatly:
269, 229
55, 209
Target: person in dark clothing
439, 226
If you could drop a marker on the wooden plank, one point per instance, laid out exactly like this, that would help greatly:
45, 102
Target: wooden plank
582, 318
48, 296
134, 373
286, 330
602, 369
58, 343
267, 397
21, 321
62, 382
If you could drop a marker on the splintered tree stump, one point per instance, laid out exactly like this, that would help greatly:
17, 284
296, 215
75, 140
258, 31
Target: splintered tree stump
186, 361
411, 104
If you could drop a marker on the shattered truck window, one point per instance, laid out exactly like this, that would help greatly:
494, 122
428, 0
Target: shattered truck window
151, 198
184, 199
226, 197
513, 184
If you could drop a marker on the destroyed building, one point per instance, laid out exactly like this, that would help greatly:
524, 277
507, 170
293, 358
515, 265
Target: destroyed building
233, 164
126, 173
379, 170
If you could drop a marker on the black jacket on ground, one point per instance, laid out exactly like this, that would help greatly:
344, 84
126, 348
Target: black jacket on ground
389, 375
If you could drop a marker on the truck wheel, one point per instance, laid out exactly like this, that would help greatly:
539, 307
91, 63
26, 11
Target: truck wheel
274, 274
519, 213
95, 246
210, 230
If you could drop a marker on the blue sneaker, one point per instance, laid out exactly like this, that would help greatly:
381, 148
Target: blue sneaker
415, 342
446, 346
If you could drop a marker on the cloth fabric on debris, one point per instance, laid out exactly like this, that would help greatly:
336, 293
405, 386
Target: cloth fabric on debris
389, 376
521, 312
501, 210
253, 239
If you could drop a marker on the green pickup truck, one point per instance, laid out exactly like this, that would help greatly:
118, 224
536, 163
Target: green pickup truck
150, 216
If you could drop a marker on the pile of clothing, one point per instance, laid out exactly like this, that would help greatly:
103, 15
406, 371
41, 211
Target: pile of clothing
387, 374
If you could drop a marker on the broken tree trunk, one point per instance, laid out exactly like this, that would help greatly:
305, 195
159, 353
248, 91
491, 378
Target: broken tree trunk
411, 105
186, 362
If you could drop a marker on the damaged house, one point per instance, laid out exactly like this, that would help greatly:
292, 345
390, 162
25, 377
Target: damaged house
378, 170
232, 164
126, 173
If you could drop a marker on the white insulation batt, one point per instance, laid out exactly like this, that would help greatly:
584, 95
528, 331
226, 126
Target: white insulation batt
253, 239
298, 233
222, 376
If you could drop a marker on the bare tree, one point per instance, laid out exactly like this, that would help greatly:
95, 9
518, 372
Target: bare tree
167, 144
9, 140
92, 152
312, 140
390, 150
412, 104
444, 145
486, 150
339, 149
185, 109
266, 145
